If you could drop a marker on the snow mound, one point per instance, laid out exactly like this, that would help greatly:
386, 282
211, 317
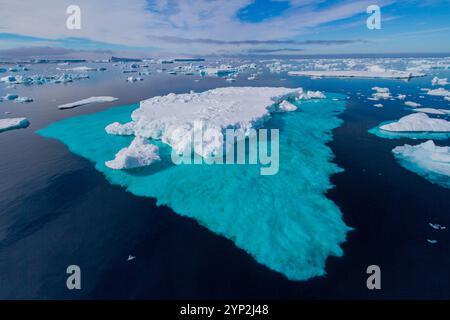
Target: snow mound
87, 101
139, 153
13, 123
418, 122
428, 160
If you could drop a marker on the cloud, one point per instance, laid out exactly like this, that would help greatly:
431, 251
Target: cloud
196, 26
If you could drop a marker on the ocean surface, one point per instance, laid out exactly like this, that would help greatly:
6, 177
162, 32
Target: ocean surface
56, 209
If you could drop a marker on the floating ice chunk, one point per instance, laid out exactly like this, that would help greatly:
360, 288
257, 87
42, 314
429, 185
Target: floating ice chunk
81, 69
437, 226
130, 257
314, 95
358, 74
378, 105
401, 96
24, 100
10, 96
13, 123
381, 93
441, 92
418, 122
87, 101
428, 160
172, 118
432, 241
287, 106
432, 111
412, 104
139, 153
222, 71
439, 82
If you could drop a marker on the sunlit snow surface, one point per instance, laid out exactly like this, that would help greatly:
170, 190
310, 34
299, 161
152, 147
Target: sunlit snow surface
284, 221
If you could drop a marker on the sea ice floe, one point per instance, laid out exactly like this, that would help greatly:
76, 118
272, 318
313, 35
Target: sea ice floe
171, 118
13, 123
412, 104
139, 153
418, 122
381, 94
437, 226
378, 105
15, 98
439, 82
440, 92
427, 160
441, 112
87, 101
358, 74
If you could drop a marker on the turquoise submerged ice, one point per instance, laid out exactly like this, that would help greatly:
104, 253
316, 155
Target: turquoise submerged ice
284, 221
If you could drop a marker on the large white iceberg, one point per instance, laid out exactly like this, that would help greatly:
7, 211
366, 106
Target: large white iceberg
418, 122
139, 153
13, 123
427, 160
87, 101
174, 117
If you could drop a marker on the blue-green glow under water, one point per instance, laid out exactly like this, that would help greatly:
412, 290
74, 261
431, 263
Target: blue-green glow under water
284, 221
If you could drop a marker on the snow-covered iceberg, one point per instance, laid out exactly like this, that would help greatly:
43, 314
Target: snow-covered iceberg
13, 123
277, 225
172, 118
87, 101
427, 160
418, 122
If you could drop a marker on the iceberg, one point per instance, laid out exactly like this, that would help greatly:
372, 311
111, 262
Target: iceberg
381, 94
439, 82
140, 153
427, 160
13, 123
172, 118
393, 74
418, 122
291, 230
412, 104
87, 101
441, 92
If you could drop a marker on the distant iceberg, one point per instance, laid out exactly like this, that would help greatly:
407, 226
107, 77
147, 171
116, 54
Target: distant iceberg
13, 123
427, 160
87, 101
393, 74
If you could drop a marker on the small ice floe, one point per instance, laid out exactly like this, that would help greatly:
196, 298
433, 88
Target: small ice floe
252, 78
378, 105
401, 96
287, 106
230, 79
130, 257
139, 153
13, 123
412, 104
439, 82
432, 241
81, 69
381, 94
86, 101
15, 98
134, 79
386, 74
440, 92
437, 226
441, 112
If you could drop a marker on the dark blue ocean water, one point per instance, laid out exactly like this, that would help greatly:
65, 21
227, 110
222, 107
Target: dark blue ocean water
57, 210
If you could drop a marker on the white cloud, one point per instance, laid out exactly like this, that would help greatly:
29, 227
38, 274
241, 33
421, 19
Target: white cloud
141, 23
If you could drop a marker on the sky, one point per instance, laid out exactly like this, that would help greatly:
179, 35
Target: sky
225, 27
